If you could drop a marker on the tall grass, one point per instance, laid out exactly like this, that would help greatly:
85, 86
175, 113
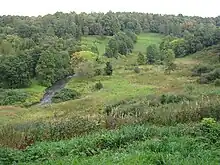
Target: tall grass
180, 142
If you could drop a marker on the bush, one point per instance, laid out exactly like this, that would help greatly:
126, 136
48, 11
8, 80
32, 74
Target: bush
20, 136
98, 72
141, 59
108, 69
171, 98
209, 77
210, 130
12, 97
200, 69
137, 70
65, 95
81, 146
217, 82
98, 86
85, 69
208, 122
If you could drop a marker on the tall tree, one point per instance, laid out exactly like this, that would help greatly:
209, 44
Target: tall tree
14, 71
46, 69
152, 53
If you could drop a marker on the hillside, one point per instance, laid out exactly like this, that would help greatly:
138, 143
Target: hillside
133, 99
114, 88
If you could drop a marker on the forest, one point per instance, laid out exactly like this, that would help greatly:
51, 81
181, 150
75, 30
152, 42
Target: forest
137, 88
32, 47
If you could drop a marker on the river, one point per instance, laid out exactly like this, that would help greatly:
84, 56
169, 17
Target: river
50, 92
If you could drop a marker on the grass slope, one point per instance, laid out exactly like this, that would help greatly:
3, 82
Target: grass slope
145, 39
101, 43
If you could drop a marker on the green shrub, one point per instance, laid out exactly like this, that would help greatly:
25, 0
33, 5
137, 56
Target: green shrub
98, 72
12, 97
23, 135
81, 146
171, 98
137, 70
9, 156
211, 111
200, 69
217, 82
108, 69
210, 130
65, 95
208, 122
210, 77
98, 86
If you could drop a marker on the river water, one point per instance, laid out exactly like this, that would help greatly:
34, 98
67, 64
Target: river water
50, 92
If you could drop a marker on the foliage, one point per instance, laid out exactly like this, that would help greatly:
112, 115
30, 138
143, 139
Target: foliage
98, 85
65, 95
170, 67
209, 77
46, 69
29, 51
22, 135
217, 82
137, 70
121, 43
198, 70
169, 57
141, 59
178, 46
86, 69
128, 142
14, 71
12, 97
108, 69
152, 54
170, 98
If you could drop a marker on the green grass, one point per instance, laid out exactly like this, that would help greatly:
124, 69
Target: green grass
145, 39
140, 144
101, 43
35, 87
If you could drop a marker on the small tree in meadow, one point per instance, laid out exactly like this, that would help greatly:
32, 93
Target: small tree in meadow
152, 53
168, 61
108, 69
141, 59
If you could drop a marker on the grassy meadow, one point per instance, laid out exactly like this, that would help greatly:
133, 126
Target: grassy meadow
126, 122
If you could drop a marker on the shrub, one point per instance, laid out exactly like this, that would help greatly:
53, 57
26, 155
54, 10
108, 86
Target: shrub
81, 146
208, 122
141, 59
65, 95
217, 82
203, 80
98, 86
20, 136
12, 97
108, 69
209, 77
210, 130
200, 69
98, 72
85, 69
171, 98
137, 70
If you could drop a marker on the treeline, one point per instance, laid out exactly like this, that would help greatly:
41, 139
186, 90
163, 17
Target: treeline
67, 25
41, 47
